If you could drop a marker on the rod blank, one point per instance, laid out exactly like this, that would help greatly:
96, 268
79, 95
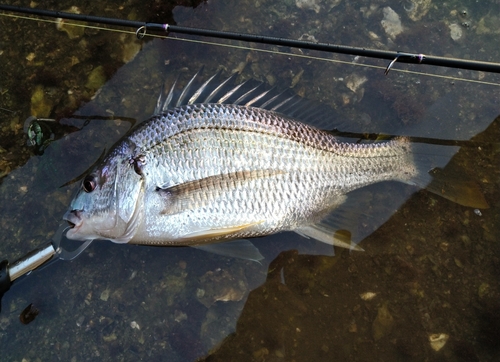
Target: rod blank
412, 58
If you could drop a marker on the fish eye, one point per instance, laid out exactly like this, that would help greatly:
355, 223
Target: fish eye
89, 183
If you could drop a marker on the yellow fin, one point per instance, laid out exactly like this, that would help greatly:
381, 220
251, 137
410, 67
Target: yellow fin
217, 233
457, 188
328, 235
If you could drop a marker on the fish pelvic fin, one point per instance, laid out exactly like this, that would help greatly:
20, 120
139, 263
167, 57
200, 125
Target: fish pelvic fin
328, 235
241, 248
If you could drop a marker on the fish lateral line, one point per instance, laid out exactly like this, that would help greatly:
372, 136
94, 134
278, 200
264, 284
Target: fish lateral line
182, 197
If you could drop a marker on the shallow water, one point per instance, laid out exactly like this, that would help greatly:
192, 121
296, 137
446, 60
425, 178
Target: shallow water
432, 267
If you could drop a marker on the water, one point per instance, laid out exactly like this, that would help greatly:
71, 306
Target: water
433, 265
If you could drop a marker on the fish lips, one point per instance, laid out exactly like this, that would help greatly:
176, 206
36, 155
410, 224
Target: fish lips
73, 217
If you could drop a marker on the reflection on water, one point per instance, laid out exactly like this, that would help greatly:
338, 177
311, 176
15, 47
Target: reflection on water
432, 267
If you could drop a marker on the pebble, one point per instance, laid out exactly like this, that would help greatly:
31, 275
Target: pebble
105, 295
383, 323
456, 31
308, 5
391, 23
438, 341
368, 295
418, 9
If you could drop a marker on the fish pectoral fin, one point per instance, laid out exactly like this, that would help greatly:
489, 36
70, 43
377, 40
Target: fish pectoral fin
198, 193
328, 235
242, 249
217, 233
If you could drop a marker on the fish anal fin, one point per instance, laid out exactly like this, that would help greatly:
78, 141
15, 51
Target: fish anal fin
329, 235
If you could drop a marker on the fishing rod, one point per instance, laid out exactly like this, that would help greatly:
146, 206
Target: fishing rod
143, 27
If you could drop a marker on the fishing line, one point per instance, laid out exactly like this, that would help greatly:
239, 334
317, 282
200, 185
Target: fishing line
141, 32
400, 57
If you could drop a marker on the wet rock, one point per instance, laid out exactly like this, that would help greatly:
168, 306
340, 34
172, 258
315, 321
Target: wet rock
391, 23
308, 5
135, 325
490, 24
418, 9
383, 323
221, 285
368, 11
73, 31
484, 289
368, 296
456, 31
96, 78
105, 295
308, 37
41, 105
355, 81
438, 341
131, 46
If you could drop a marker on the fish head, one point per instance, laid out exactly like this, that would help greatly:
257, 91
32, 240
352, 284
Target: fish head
108, 204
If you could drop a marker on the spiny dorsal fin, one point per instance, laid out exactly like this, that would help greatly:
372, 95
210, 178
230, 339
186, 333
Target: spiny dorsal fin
250, 93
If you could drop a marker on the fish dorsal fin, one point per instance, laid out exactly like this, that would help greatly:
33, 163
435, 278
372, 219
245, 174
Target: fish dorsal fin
187, 89
219, 89
250, 93
195, 97
164, 103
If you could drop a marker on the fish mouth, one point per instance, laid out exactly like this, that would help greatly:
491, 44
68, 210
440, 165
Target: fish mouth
73, 218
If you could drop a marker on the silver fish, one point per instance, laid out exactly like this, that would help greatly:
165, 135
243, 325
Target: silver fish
215, 166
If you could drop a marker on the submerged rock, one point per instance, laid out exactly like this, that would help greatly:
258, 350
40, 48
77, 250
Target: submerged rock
96, 79
418, 9
456, 31
383, 323
222, 286
391, 23
438, 341
490, 24
41, 105
73, 28
308, 5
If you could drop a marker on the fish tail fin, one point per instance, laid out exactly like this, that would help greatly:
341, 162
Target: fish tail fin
438, 175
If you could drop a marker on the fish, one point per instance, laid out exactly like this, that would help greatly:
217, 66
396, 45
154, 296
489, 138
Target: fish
218, 163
